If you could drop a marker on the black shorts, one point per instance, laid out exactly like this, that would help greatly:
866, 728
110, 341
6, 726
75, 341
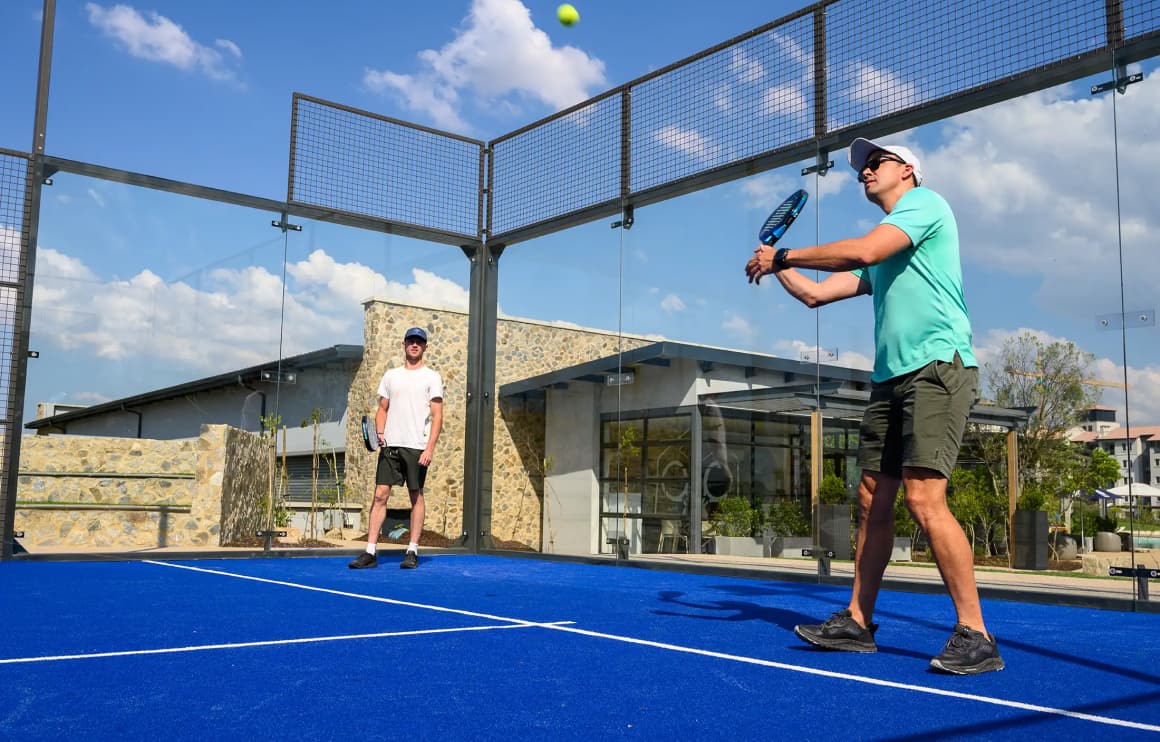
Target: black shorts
399, 466
917, 419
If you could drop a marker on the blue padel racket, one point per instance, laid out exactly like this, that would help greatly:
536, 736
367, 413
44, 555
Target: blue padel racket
783, 216
370, 436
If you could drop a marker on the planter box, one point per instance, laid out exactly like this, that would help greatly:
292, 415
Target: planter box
901, 550
738, 546
1029, 549
834, 530
789, 547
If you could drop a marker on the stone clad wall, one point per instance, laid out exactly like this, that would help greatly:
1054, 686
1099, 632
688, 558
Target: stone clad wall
123, 493
524, 348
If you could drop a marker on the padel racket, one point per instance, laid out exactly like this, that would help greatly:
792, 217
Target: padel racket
783, 216
370, 435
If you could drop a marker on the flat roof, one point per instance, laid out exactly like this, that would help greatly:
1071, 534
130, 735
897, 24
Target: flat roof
262, 373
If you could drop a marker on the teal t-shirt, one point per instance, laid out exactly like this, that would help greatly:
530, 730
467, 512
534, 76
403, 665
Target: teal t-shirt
920, 314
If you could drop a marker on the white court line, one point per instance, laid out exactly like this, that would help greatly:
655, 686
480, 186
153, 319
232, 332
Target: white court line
242, 645
558, 626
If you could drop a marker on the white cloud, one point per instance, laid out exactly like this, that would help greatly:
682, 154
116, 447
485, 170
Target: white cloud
739, 327
691, 142
230, 318
744, 67
155, 38
498, 54
672, 303
1033, 185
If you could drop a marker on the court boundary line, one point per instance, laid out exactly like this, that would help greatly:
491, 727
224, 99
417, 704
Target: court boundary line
245, 645
561, 626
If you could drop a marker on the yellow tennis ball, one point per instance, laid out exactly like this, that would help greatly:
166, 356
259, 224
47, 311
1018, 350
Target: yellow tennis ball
568, 14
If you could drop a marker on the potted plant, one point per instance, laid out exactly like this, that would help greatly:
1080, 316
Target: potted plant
1106, 538
734, 523
787, 530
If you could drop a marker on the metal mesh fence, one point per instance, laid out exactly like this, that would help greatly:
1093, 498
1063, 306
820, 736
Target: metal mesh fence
880, 61
558, 167
13, 223
1141, 18
14, 173
764, 98
359, 163
754, 96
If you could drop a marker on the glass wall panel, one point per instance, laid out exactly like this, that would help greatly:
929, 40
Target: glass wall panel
1041, 276
1139, 452
558, 484
157, 323
351, 296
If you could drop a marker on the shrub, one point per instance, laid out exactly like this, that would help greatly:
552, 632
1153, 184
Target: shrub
787, 519
735, 517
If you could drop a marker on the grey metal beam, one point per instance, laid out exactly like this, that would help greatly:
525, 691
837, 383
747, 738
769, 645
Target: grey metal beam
306, 211
482, 319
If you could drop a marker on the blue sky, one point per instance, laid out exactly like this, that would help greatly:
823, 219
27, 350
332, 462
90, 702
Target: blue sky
138, 289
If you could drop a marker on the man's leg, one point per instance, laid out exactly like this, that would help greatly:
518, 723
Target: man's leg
369, 559
876, 494
378, 514
418, 511
926, 498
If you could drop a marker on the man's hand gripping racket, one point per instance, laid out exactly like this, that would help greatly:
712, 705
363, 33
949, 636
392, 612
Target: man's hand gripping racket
774, 228
370, 435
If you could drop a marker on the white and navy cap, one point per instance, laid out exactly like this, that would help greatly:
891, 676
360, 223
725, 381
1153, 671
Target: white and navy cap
861, 149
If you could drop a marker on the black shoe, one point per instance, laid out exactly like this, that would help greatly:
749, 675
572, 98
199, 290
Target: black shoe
968, 652
840, 632
410, 560
364, 561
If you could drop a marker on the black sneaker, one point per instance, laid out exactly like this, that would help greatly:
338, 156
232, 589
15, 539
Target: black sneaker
410, 560
364, 561
840, 632
968, 652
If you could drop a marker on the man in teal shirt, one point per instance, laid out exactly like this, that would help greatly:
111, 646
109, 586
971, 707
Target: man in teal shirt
924, 383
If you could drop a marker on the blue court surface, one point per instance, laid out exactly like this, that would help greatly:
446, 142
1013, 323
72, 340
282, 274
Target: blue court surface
488, 647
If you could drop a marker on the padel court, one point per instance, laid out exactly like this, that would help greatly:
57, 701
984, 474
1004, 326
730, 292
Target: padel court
489, 647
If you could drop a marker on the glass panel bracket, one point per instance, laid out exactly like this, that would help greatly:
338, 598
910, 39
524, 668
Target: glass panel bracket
1128, 320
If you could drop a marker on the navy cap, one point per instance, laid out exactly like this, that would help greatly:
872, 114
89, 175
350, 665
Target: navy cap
415, 332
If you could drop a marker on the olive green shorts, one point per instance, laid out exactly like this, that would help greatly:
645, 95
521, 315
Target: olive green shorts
917, 419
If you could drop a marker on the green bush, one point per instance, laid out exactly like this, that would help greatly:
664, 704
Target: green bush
735, 517
786, 518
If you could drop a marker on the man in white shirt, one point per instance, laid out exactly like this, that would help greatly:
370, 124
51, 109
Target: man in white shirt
413, 396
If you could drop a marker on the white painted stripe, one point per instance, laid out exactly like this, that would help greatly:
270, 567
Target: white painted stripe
344, 594
271, 643
566, 627
861, 679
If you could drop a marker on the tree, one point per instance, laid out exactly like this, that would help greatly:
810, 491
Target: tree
1050, 380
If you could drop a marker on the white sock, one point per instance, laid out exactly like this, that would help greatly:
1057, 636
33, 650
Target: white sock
372, 549
413, 547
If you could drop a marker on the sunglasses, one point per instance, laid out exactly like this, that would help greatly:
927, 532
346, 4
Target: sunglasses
415, 341
873, 163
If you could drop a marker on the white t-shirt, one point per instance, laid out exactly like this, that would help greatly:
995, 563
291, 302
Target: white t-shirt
409, 414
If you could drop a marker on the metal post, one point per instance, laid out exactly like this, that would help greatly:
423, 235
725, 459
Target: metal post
481, 404
18, 371
1012, 490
